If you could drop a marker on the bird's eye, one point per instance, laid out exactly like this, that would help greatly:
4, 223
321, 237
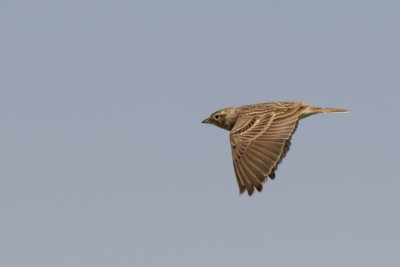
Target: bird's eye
216, 117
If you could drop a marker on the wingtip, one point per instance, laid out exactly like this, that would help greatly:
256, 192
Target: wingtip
250, 191
259, 187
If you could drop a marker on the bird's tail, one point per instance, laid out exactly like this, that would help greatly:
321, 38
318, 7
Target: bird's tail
311, 110
327, 110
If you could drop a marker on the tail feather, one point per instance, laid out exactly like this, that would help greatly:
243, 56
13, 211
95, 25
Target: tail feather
327, 110
311, 110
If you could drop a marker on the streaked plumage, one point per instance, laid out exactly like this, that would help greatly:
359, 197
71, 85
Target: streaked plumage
260, 137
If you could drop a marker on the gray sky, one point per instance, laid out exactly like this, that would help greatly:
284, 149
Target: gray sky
104, 161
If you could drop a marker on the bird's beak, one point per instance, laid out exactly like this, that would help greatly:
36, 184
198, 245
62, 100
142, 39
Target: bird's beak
206, 120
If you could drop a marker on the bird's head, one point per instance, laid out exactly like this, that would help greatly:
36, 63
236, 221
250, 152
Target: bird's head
224, 118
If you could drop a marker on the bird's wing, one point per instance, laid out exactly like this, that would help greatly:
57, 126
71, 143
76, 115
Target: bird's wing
259, 142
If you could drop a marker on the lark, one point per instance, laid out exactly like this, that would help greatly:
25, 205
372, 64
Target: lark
260, 137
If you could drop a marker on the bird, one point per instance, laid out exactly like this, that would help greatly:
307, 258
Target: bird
260, 137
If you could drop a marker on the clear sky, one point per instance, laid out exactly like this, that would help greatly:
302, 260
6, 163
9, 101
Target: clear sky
105, 162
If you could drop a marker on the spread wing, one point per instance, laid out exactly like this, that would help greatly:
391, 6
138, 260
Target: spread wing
259, 143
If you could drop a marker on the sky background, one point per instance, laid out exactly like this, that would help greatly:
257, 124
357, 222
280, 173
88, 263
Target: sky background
104, 160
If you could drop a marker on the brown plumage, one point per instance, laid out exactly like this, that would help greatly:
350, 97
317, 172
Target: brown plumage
260, 137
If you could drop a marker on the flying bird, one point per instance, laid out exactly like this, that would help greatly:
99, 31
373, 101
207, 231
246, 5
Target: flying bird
260, 137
